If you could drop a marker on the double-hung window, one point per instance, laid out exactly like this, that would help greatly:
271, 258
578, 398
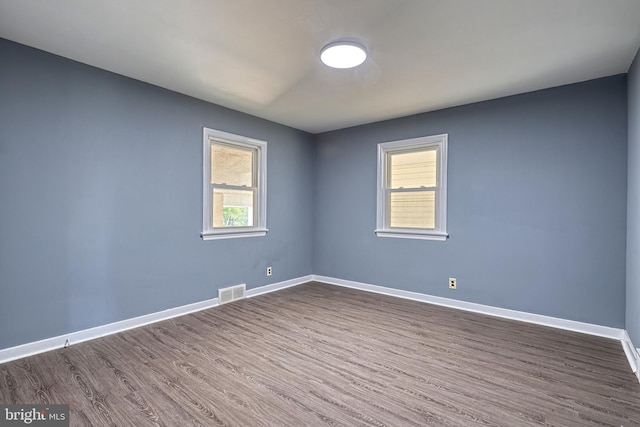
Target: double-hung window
412, 188
234, 186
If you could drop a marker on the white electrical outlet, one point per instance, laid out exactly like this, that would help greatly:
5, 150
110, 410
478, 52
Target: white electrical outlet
269, 271
453, 283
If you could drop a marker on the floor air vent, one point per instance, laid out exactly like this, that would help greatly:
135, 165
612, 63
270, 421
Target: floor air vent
231, 293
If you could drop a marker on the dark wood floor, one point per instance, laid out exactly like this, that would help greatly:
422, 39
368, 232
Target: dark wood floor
318, 354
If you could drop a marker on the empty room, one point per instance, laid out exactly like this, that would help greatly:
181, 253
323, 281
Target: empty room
307, 213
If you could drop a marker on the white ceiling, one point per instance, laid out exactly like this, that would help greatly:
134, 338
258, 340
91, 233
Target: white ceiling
261, 57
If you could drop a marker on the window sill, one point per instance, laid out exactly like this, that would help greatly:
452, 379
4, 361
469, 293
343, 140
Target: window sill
216, 235
413, 234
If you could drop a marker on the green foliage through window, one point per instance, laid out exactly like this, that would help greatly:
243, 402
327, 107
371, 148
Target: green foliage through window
235, 216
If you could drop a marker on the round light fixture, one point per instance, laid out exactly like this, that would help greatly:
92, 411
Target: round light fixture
343, 54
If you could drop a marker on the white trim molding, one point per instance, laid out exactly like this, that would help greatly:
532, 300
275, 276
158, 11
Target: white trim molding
233, 235
384, 228
48, 344
29, 349
258, 186
632, 353
278, 286
538, 319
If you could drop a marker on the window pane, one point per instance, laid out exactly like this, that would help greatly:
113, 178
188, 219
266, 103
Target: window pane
413, 169
413, 209
233, 208
231, 165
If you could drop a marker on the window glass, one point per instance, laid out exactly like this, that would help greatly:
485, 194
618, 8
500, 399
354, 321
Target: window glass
231, 165
412, 188
413, 209
413, 169
234, 186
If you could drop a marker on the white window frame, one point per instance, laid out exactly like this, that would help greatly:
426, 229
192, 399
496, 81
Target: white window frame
260, 226
437, 142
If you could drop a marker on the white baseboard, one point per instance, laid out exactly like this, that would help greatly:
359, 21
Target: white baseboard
570, 325
49, 344
277, 286
29, 349
631, 352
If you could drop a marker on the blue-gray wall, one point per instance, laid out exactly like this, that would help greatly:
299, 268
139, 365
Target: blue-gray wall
536, 213
633, 204
101, 199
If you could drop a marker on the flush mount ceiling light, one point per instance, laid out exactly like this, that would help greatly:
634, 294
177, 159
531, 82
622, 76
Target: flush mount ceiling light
343, 54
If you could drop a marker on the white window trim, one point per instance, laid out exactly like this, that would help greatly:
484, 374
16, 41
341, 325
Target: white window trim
260, 228
440, 232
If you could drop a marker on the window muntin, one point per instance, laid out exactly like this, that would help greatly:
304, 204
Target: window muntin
412, 188
234, 198
411, 184
234, 185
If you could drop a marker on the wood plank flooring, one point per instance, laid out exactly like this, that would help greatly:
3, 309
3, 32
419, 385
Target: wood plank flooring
317, 354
